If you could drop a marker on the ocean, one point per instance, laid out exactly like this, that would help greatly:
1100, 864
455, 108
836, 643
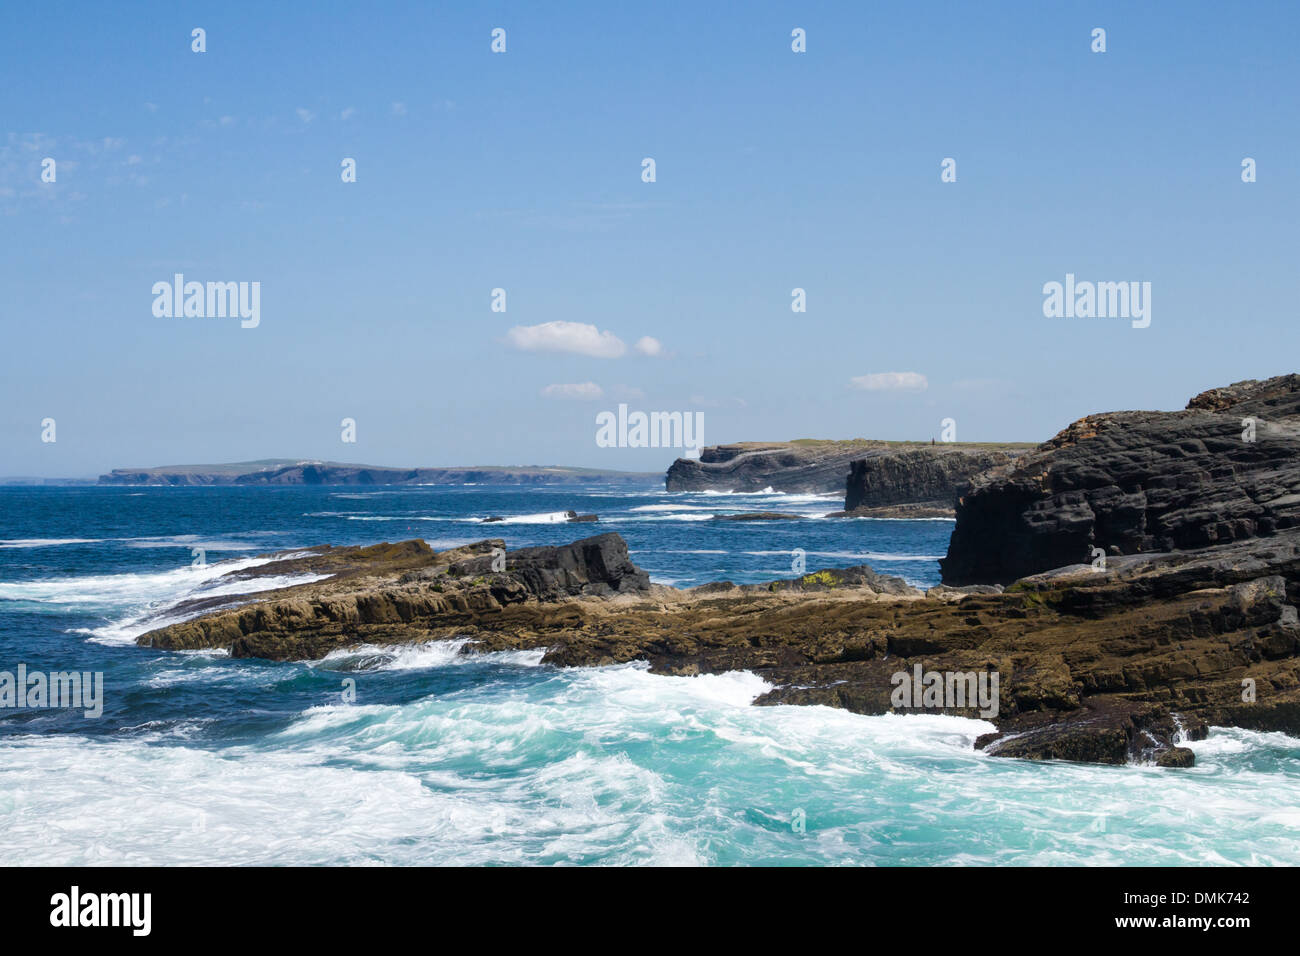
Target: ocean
446, 758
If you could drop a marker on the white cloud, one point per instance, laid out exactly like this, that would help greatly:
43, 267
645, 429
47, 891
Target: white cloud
583, 391
347, 113
648, 345
891, 382
576, 337
305, 115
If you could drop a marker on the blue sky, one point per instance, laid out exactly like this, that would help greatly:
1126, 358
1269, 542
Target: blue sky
522, 171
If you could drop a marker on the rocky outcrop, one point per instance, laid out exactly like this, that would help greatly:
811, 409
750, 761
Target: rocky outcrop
930, 476
1111, 666
290, 472
1225, 469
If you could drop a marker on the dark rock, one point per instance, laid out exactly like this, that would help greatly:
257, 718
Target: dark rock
930, 476
598, 565
1137, 482
1176, 757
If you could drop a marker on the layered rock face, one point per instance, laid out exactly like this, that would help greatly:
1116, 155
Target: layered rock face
1137, 482
887, 473
398, 593
933, 476
794, 467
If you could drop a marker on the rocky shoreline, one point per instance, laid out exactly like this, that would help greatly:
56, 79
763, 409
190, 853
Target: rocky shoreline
1106, 666
1169, 618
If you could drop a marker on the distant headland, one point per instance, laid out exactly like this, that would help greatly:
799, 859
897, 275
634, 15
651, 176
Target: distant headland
291, 471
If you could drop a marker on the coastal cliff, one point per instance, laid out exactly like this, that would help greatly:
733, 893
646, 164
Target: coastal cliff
931, 476
872, 475
795, 467
1225, 469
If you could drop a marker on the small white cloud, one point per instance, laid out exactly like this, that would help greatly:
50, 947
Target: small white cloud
648, 345
347, 113
399, 109
151, 107
629, 392
227, 121
583, 391
133, 160
576, 337
891, 382
305, 115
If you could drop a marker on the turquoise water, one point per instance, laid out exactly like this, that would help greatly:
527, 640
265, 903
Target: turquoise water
444, 758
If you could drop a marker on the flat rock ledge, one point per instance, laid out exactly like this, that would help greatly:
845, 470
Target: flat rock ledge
1111, 666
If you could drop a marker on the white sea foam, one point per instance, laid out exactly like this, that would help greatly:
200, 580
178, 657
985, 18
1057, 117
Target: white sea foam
545, 517
191, 541
402, 657
115, 590
125, 629
618, 766
140, 602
